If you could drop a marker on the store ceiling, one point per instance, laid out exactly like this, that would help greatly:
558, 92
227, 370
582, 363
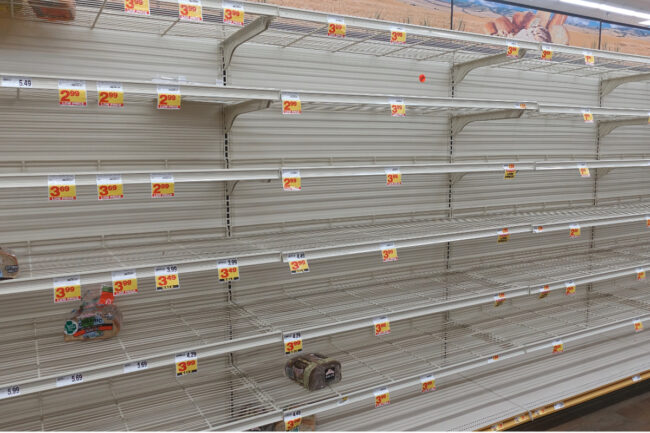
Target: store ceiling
582, 7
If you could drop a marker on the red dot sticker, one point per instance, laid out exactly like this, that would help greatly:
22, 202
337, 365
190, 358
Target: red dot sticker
423, 78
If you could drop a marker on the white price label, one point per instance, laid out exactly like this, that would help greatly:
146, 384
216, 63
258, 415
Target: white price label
136, 366
18, 82
636, 378
71, 379
11, 391
558, 405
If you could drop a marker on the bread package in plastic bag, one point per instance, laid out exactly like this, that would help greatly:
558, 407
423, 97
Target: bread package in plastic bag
96, 318
313, 371
8, 265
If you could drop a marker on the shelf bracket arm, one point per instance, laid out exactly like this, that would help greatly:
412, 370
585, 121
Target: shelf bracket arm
232, 42
606, 127
460, 71
230, 112
458, 123
608, 86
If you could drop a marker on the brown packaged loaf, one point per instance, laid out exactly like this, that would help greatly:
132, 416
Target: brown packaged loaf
313, 371
8, 265
96, 318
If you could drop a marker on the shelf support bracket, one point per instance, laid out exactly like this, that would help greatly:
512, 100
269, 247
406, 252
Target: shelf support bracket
458, 123
232, 42
460, 71
230, 112
606, 127
608, 86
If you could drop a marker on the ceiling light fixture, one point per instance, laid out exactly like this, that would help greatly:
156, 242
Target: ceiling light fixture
608, 8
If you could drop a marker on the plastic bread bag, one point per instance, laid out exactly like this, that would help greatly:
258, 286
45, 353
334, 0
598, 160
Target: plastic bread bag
313, 371
8, 265
96, 318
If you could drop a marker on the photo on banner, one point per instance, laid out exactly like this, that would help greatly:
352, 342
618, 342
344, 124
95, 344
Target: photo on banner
624, 39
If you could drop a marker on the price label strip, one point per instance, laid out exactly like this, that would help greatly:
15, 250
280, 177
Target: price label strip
110, 187
570, 288
397, 35
17, 82
110, 94
71, 379
291, 103
503, 235
588, 116
336, 27
640, 274
574, 231
558, 346
590, 60
162, 185
547, 53
186, 363
382, 326
167, 278
61, 188
393, 176
136, 7
67, 289
538, 229
544, 291
583, 170
228, 270
513, 50
292, 343
169, 98
509, 171
297, 263
638, 325
190, 10
292, 421
124, 282
397, 108
136, 366
72, 93
10, 391
388, 252
291, 180
382, 397
427, 383
499, 299
233, 13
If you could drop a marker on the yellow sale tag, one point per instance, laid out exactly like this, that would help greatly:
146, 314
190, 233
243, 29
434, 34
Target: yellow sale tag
647, 221
499, 299
67, 289
389, 252
336, 27
292, 343
228, 270
640, 274
233, 13
583, 170
162, 185
292, 421
61, 188
167, 278
558, 346
382, 397
397, 108
503, 236
186, 363
72, 93
110, 94
547, 53
428, 383
509, 171
291, 103
570, 288
513, 50
638, 325
588, 116
544, 291
109, 187
382, 326
190, 10
297, 263
393, 176
590, 60
291, 180
397, 35
574, 231
169, 98
136, 7
124, 282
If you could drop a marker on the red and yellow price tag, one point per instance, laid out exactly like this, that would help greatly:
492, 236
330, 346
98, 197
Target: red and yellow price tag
336, 27
570, 288
499, 299
167, 278
428, 383
291, 103
638, 325
397, 108
228, 270
233, 13
61, 188
186, 363
67, 289
583, 170
389, 252
110, 187
397, 35
297, 263
291, 180
544, 291
393, 176
647, 221
590, 60
588, 116
513, 50
547, 53
190, 10
136, 7
110, 94
292, 343
503, 236
124, 282
558, 346
169, 98
509, 171
382, 397
72, 93
574, 231
162, 185
382, 326
640, 274
292, 421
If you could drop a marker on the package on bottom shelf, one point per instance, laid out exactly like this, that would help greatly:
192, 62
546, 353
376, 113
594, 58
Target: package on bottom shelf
54, 10
313, 371
96, 318
307, 423
8, 265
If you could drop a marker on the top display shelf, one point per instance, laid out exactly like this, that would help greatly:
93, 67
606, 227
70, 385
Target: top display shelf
288, 27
